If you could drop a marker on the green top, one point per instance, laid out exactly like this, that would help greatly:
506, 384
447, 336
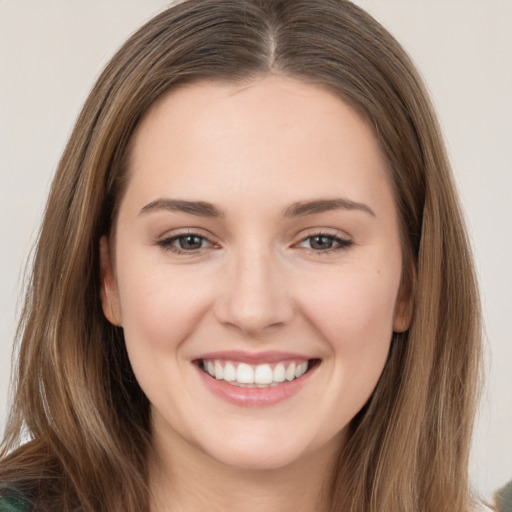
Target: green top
13, 504
504, 499
17, 504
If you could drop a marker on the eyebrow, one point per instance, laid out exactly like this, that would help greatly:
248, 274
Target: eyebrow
303, 208
199, 208
298, 209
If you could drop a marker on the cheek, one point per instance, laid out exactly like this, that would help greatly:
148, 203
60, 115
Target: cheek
353, 309
355, 320
160, 306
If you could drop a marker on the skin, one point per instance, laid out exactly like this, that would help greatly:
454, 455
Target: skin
258, 283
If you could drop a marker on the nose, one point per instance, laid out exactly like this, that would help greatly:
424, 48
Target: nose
254, 298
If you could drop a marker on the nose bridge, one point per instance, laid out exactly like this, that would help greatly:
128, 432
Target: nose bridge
254, 296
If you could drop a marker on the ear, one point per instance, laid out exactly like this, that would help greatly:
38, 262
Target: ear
403, 306
108, 291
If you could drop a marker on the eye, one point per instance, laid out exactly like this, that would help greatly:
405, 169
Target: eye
324, 242
190, 242
185, 243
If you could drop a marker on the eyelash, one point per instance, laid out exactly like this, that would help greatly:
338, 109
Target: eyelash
167, 243
342, 243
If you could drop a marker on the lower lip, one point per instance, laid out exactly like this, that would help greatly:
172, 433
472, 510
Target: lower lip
255, 397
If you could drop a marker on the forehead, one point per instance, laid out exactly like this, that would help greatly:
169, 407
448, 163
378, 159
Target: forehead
244, 138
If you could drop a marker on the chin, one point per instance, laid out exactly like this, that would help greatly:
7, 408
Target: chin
256, 460
258, 452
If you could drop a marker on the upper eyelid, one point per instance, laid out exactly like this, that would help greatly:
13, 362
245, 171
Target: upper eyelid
330, 232
177, 233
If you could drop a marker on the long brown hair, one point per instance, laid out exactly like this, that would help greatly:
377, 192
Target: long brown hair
75, 395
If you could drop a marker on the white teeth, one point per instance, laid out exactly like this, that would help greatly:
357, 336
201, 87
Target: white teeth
279, 373
300, 370
262, 375
245, 374
290, 372
219, 371
229, 372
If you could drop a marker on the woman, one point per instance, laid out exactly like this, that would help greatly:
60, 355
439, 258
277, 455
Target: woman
252, 287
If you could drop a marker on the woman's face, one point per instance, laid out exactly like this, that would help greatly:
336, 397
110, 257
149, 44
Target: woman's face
257, 269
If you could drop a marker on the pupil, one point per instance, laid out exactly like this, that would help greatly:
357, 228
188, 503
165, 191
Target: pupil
190, 242
321, 242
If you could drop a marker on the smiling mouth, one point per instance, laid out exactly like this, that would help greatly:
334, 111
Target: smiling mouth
256, 375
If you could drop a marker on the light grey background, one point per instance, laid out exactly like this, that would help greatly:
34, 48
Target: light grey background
51, 51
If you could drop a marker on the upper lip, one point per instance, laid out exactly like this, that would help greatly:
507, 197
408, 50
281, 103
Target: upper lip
241, 356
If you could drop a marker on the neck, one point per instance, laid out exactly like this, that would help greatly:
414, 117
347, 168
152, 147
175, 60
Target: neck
191, 481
